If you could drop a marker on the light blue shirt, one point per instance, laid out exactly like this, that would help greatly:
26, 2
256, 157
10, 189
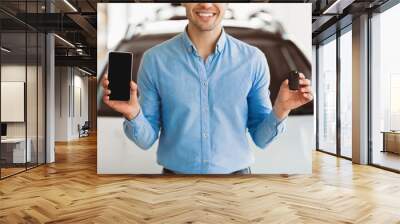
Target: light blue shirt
201, 110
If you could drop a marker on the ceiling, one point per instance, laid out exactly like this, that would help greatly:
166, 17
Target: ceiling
74, 22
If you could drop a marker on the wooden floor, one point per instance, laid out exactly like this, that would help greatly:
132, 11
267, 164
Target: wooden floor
70, 191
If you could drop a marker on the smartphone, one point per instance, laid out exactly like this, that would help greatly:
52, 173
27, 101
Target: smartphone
119, 75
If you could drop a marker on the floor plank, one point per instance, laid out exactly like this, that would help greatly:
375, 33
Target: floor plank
70, 191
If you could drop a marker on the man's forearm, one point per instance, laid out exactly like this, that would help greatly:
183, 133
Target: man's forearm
280, 112
140, 131
267, 130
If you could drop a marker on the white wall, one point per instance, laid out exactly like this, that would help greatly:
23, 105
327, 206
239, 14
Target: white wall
33, 126
67, 115
12, 99
61, 103
12, 73
291, 153
80, 84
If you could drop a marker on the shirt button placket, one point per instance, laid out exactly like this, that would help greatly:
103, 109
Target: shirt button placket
204, 116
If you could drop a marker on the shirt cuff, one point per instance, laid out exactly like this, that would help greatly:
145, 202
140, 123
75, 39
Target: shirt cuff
276, 121
136, 122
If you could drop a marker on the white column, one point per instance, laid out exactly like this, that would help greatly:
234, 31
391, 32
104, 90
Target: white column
360, 90
50, 99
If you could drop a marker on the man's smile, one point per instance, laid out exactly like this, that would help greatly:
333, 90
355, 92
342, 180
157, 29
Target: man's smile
205, 15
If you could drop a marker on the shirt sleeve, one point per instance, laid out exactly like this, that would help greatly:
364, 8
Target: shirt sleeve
262, 122
144, 128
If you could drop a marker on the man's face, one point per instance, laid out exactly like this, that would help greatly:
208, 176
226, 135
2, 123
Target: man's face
205, 16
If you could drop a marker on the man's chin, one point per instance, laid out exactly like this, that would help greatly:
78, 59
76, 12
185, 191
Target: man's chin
206, 28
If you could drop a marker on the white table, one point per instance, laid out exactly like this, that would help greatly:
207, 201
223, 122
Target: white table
19, 155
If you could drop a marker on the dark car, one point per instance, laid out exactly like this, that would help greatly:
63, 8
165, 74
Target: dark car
282, 54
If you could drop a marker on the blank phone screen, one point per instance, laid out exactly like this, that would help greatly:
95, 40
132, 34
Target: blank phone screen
119, 75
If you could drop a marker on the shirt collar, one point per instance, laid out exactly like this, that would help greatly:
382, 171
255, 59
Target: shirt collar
190, 46
221, 41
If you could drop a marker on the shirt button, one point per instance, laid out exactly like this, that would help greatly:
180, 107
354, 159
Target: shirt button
204, 83
205, 135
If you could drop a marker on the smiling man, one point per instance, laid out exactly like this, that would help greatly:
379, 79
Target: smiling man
200, 92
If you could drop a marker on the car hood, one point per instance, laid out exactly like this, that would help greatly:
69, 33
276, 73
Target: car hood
269, 43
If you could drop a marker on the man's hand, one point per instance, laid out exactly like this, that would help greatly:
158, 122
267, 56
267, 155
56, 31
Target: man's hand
288, 100
129, 109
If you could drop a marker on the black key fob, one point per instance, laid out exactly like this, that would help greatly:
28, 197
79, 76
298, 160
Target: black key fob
294, 80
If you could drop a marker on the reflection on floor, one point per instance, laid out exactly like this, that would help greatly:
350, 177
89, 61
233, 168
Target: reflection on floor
70, 191
387, 159
11, 169
347, 152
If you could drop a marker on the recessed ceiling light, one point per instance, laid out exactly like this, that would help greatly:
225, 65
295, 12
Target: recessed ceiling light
64, 40
337, 7
70, 5
84, 71
5, 50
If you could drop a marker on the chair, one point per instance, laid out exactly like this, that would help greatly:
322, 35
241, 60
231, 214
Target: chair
84, 130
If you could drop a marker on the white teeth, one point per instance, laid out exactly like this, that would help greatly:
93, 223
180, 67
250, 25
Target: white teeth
205, 14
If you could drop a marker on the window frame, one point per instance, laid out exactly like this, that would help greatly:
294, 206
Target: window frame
334, 37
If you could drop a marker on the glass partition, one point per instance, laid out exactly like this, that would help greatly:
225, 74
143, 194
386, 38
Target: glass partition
346, 93
22, 67
41, 97
385, 89
327, 96
13, 92
31, 98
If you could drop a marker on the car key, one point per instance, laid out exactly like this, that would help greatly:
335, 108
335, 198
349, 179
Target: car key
294, 80
293, 74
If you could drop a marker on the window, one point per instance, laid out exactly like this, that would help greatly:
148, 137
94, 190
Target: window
327, 96
346, 93
385, 89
